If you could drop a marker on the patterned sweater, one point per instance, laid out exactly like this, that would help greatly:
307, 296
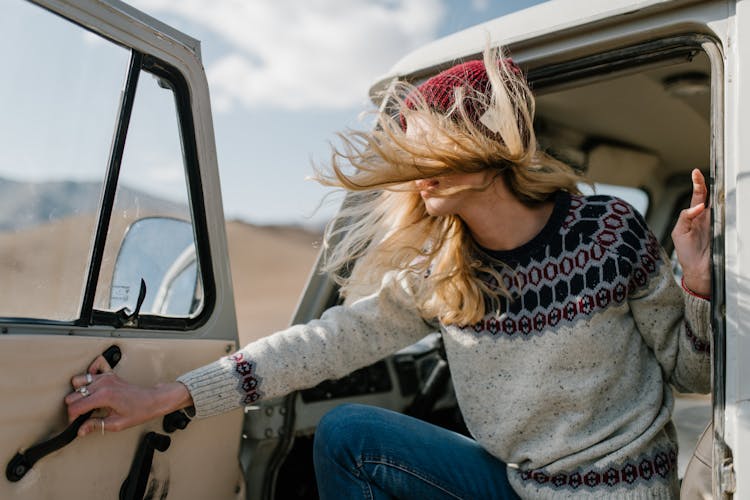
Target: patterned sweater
567, 383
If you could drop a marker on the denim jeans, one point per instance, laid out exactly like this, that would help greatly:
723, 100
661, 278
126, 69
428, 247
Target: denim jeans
368, 452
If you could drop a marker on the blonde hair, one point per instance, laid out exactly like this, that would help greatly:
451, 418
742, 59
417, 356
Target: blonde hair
386, 227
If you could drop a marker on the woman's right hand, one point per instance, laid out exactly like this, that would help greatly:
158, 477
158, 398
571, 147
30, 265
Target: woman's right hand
119, 404
692, 239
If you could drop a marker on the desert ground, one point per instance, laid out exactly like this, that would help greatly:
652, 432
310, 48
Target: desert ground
43, 271
270, 266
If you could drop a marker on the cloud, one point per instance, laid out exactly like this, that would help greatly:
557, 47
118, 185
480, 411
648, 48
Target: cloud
303, 54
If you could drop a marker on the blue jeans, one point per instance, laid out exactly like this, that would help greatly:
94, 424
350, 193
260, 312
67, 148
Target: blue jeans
368, 452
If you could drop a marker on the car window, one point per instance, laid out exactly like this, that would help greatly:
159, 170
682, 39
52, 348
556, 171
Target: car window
94, 152
151, 207
59, 97
638, 198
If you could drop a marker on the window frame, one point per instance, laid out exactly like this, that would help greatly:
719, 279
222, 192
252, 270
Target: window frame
88, 316
169, 74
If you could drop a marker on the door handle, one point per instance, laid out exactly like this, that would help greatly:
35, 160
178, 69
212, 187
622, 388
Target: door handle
21, 463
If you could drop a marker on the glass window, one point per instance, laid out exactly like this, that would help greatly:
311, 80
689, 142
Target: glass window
638, 198
59, 96
151, 235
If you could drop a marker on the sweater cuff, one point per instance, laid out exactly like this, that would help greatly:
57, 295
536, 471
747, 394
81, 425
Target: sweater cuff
697, 313
213, 388
690, 292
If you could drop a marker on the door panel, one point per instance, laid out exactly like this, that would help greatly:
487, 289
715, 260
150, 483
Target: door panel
36, 372
84, 167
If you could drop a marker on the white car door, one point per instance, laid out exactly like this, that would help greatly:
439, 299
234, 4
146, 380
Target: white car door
111, 240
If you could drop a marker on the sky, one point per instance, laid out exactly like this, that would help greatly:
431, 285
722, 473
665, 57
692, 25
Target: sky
284, 77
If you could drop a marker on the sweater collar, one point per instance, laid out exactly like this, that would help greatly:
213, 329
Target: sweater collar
552, 227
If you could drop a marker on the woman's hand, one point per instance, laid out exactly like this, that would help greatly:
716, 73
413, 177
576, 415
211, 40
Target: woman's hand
692, 239
119, 405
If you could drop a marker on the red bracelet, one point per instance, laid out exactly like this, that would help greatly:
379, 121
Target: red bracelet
704, 297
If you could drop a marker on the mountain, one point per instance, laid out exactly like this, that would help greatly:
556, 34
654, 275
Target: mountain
28, 204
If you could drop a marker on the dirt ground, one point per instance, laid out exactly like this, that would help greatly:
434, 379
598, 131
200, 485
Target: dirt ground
270, 267
48, 262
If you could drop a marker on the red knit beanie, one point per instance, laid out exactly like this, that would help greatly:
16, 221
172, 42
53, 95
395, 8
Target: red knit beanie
439, 92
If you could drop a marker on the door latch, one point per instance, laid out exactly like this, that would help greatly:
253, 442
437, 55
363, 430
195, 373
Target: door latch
728, 478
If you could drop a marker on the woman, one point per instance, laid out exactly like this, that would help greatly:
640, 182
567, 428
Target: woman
561, 320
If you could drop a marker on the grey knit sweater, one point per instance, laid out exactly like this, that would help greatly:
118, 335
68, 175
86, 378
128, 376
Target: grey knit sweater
568, 383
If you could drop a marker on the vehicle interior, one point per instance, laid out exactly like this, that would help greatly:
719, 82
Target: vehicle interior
636, 129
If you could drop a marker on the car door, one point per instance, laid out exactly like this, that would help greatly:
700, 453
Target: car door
111, 240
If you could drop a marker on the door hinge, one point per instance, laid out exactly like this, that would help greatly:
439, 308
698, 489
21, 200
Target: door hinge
728, 479
267, 421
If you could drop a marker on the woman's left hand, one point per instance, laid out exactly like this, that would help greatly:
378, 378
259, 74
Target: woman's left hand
692, 239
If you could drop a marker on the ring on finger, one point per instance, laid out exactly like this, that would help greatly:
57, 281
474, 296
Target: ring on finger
89, 378
84, 390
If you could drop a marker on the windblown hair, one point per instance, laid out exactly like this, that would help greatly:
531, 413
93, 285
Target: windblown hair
385, 226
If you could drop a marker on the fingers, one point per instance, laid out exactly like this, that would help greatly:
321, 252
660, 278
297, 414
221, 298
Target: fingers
79, 404
85, 379
78, 394
91, 396
692, 212
79, 381
88, 426
700, 191
91, 393
95, 425
685, 221
99, 365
